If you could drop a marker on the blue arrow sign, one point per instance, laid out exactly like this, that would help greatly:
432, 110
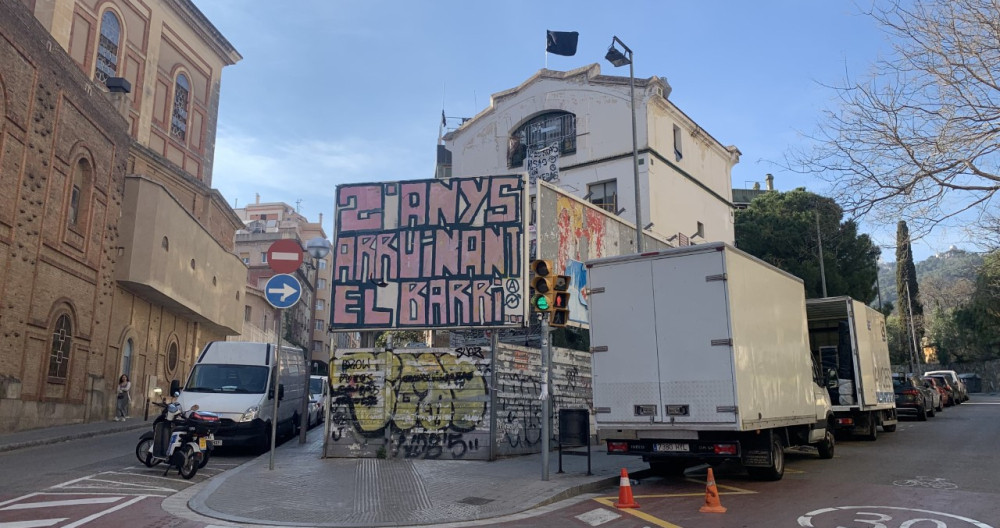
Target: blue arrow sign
282, 291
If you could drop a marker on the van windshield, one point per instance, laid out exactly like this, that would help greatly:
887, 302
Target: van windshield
227, 378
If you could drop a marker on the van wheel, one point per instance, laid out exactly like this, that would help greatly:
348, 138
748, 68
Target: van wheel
826, 447
264, 442
777, 468
872, 434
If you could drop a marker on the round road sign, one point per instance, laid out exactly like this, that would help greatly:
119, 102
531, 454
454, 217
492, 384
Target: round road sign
284, 256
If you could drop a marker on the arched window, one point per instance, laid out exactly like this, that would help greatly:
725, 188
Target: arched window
107, 47
173, 357
127, 357
546, 130
62, 343
178, 120
76, 216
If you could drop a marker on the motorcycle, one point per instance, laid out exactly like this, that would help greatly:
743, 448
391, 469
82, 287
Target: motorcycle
184, 440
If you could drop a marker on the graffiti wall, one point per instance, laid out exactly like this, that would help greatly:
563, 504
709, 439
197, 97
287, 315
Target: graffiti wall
571, 231
519, 383
430, 254
439, 403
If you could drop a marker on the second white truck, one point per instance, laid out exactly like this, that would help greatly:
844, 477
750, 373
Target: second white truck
701, 354
849, 339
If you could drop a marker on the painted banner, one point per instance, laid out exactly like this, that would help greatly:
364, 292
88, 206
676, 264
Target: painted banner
571, 231
430, 254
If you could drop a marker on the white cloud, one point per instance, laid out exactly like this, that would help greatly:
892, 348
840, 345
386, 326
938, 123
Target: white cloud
308, 170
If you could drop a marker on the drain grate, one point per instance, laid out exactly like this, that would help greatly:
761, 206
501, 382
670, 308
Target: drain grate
475, 501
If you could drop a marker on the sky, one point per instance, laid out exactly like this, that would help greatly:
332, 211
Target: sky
332, 92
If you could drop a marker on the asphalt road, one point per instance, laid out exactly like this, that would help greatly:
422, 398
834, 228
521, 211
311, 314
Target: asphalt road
941, 473
935, 474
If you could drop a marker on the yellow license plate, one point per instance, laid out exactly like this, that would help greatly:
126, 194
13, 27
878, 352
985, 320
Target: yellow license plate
201, 442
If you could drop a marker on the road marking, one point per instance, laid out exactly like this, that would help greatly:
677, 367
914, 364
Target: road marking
598, 516
805, 521
89, 518
32, 524
55, 504
632, 511
94, 483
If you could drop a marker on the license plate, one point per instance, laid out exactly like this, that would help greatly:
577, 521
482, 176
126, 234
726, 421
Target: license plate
201, 443
216, 442
671, 447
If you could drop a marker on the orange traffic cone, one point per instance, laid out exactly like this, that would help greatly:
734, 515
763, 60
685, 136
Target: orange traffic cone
712, 504
625, 499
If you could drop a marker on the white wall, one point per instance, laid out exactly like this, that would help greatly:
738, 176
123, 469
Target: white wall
670, 199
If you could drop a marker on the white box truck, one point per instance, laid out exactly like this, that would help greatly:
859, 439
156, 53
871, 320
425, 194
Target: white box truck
235, 380
701, 354
848, 338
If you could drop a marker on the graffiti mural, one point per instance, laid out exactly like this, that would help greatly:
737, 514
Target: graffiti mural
430, 404
572, 231
430, 254
440, 403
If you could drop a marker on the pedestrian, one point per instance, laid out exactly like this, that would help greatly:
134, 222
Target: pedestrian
124, 399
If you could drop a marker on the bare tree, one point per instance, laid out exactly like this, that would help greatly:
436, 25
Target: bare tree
918, 139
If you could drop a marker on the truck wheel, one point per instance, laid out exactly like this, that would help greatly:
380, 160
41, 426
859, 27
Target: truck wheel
777, 468
889, 428
872, 434
826, 447
668, 468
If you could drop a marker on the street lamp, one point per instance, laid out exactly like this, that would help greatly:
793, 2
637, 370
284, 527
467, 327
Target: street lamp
617, 58
318, 248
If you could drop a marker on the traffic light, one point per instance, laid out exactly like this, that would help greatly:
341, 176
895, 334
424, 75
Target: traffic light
543, 285
560, 312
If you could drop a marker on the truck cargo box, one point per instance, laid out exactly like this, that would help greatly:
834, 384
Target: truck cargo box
700, 338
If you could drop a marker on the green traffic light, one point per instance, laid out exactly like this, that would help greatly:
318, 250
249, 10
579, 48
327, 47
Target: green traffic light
542, 303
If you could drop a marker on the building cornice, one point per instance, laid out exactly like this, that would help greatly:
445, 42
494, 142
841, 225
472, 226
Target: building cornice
206, 30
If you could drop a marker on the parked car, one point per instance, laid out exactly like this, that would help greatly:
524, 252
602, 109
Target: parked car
319, 391
950, 391
955, 381
911, 396
938, 392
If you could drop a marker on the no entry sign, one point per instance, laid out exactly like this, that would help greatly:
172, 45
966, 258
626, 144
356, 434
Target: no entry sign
284, 256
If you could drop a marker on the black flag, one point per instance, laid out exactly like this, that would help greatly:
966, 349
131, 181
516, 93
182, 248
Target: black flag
561, 42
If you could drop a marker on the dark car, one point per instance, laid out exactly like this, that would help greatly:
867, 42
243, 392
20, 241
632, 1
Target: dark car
910, 396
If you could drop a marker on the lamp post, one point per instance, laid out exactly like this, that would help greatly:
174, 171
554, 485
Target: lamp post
617, 58
318, 248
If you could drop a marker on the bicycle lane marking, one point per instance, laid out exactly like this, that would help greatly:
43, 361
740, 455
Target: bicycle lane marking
609, 501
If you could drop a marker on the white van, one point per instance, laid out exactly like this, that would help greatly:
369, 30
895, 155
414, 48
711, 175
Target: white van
234, 379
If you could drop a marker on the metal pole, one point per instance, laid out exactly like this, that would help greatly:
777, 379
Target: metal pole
304, 417
635, 152
277, 374
545, 397
822, 270
329, 396
494, 342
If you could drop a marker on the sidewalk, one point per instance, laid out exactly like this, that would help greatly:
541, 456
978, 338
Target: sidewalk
307, 490
62, 433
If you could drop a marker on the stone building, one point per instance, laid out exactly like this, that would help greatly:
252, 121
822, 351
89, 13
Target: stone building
584, 117
115, 246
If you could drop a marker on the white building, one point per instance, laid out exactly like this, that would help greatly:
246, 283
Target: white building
684, 172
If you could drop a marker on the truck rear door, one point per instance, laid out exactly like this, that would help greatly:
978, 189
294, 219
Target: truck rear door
693, 336
623, 334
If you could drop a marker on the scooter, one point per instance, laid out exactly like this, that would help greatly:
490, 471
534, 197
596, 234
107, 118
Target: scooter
184, 441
